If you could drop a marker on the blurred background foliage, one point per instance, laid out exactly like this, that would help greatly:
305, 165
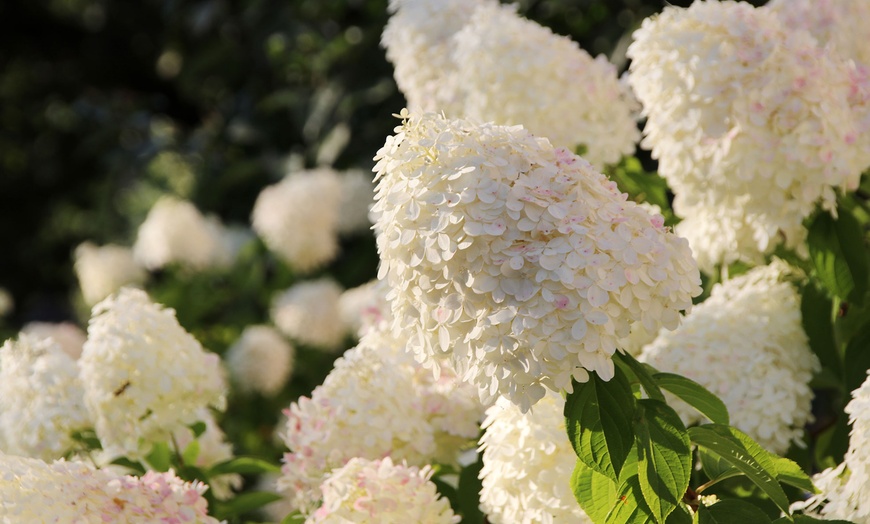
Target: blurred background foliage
104, 106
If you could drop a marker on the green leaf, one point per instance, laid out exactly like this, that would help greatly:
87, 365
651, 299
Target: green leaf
789, 472
664, 456
695, 395
198, 429
468, 496
129, 464
243, 465
594, 492
745, 455
629, 506
679, 516
191, 452
839, 256
598, 420
817, 319
716, 467
293, 518
160, 458
244, 503
731, 512
644, 374
806, 519
641, 186
857, 356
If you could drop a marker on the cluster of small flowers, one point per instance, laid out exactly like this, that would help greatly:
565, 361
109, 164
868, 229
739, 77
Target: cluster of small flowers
746, 344
515, 261
261, 360
34, 491
133, 394
751, 122
213, 449
843, 489
175, 232
308, 312
102, 270
490, 64
300, 217
41, 398
365, 308
527, 465
381, 491
374, 403
67, 335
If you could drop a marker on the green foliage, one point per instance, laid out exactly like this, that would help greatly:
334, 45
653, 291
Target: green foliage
695, 395
839, 256
731, 512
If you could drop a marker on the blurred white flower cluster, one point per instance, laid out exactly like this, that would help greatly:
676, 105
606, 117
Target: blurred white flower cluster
72, 492
516, 262
751, 122
102, 270
375, 402
527, 465
144, 375
746, 344
482, 61
261, 360
308, 312
381, 491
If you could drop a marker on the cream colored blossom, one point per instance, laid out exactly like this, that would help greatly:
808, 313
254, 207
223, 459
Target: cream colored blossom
516, 262
376, 402
75, 493
175, 232
418, 39
298, 218
102, 270
365, 308
261, 360
144, 375
514, 71
67, 335
527, 465
843, 489
745, 344
41, 399
751, 122
308, 313
380, 491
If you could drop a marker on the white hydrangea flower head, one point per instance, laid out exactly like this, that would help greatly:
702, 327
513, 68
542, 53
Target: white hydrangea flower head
380, 491
419, 42
298, 217
748, 119
230, 241
175, 232
365, 308
516, 262
261, 360
308, 312
527, 465
515, 71
67, 335
844, 488
7, 303
213, 449
357, 197
73, 492
376, 402
832, 22
41, 399
746, 344
102, 270
144, 375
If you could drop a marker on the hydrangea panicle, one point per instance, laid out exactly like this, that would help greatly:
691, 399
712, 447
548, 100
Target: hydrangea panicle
261, 360
515, 262
308, 312
102, 270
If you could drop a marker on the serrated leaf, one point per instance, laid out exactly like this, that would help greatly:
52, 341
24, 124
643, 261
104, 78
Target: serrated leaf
245, 502
695, 395
243, 465
789, 472
663, 456
715, 467
679, 516
732, 512
598, 420
644, 374
745, 455
594, 492
839, 256
629, 506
